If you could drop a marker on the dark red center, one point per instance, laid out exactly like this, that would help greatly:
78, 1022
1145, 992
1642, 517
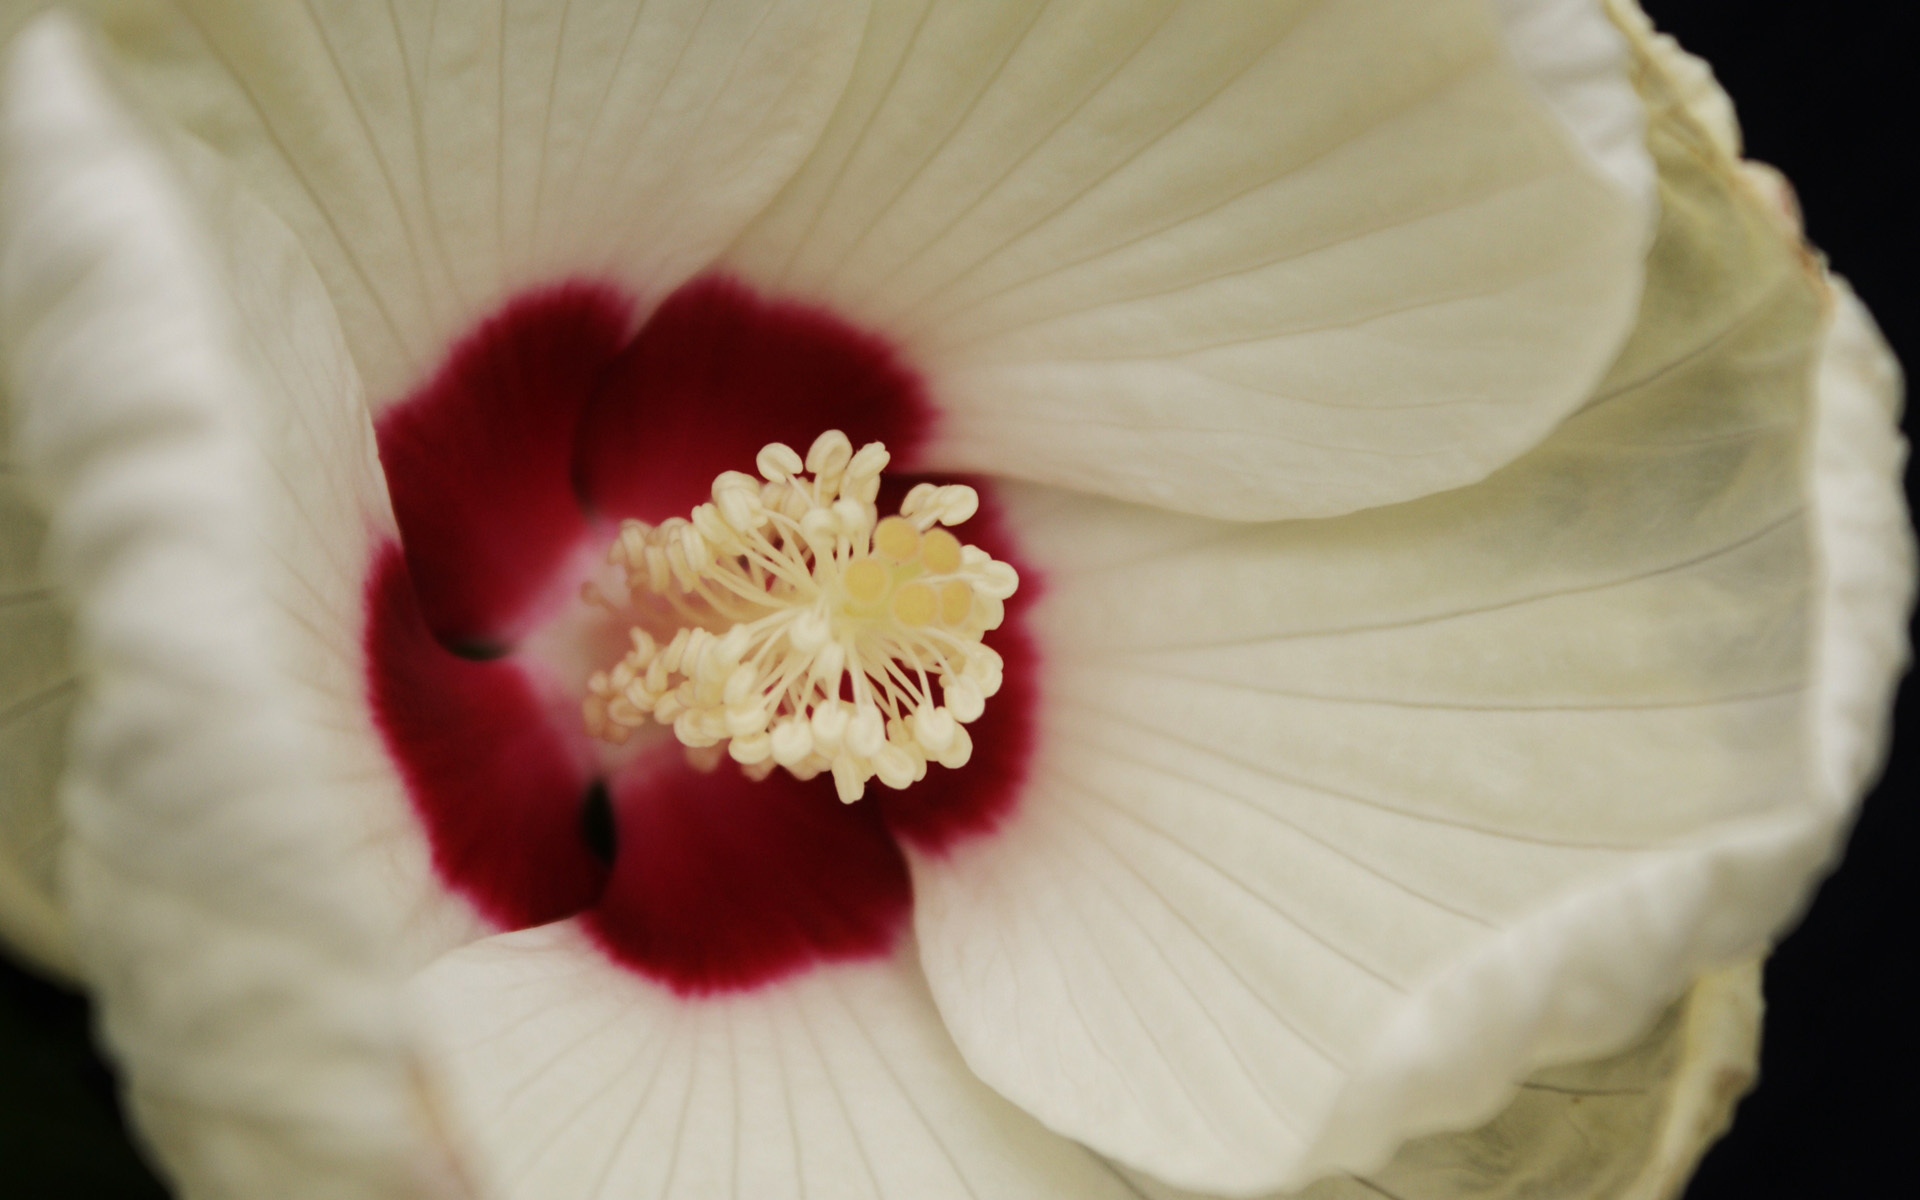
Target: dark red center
545, 425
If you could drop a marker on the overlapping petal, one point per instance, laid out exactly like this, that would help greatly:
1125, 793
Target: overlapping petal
1630, 1126
1338, 827
1573, 54
197, 426
1282, 260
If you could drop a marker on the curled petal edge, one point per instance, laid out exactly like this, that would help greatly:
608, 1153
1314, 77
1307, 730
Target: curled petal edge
1866, 585
169, 395
1575, 58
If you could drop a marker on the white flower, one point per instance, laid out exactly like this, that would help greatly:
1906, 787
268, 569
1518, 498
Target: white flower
1421, 670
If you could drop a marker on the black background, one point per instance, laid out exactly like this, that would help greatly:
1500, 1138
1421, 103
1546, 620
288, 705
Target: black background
1824, 92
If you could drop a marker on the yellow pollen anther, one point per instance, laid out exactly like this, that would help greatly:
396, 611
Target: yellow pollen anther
914, 605
956, 601
787, 625
897, 539
940, 552
866, 581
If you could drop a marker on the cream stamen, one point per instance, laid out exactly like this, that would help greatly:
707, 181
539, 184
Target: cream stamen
804, 626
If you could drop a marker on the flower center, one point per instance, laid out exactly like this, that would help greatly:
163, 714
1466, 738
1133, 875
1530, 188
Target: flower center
791, 622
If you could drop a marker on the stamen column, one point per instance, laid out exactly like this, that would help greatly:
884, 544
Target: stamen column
788, 620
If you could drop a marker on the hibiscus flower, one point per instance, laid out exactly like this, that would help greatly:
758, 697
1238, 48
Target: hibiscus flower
1432, 649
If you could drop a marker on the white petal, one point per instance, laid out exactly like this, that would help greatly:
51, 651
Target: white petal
36, 699
1630, 1126
1866, 548
1689, 79
1865, 533
37, 692
1576, 61
436, 158
1338, 827
573, 1078
1247, 261
192, 416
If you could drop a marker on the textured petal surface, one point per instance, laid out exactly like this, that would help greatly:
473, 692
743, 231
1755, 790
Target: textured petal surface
1338, 827
1630, 1126
436, 158
196, 424
36, 701
1865, 533
37, 690
1255, 260
574, 1079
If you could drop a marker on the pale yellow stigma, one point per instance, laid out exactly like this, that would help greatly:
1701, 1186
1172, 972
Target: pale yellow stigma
791, 622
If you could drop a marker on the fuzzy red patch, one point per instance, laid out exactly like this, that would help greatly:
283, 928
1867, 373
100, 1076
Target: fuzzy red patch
722, 883
479, 461
718, 373
493, 780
